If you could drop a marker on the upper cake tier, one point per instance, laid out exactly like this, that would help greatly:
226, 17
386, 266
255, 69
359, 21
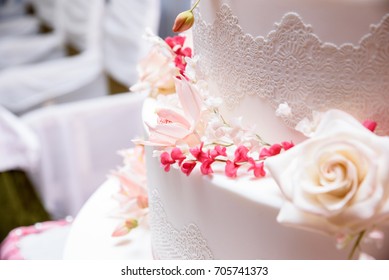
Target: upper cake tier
311, 55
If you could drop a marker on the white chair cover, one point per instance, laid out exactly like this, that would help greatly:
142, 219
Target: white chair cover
79, 147
45, 10
12, 8
19, 147
83, 32
32, 49
20, 50
18, 26
124, 25
68, 79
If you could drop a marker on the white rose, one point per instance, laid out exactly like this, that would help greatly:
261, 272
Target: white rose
338, 180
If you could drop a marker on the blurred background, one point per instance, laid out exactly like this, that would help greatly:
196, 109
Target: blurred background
65, 108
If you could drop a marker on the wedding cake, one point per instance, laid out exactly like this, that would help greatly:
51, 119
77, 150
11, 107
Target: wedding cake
268, 139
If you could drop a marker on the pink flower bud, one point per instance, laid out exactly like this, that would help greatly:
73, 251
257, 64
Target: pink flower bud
184, 21
206, 168
187, 167
125, 227
370, 125
166, 161
241, 154
177, 155
287, 145
231, 169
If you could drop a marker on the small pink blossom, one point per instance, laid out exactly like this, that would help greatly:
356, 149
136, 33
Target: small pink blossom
130, 190
218, 151
231, 169
175, 42
166, 161
274, 149
287, 145
177, 155
132, 196
199, 154
370, 125
206, 168
187, 167
241, 154
257, 167
181, 52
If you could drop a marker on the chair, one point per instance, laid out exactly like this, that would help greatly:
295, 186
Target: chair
79, 143
18, 26
22, 50
14, 21
35, 48
12, 8
19, 150
124, 24
27, 87
45, 11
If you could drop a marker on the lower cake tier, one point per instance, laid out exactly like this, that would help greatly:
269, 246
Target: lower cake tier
214, 217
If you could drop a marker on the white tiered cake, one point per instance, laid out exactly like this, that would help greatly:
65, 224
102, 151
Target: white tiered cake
268, 66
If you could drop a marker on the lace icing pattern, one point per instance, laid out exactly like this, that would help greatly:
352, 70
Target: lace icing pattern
170, 243
292, 65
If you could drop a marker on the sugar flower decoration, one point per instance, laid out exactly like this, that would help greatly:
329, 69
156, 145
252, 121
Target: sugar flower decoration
336, 182
283, 110
165, 61
177, 125
132, 197
185, 20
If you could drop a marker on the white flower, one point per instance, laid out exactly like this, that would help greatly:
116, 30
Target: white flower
308, 127
283, 110
212, 102
337, 181
191, 68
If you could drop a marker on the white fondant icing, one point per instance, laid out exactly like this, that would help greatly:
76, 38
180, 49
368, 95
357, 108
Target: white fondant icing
294, 64
237, 219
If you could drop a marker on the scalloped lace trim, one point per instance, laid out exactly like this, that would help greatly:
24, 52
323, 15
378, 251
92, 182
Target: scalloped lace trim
170, 243
291, 64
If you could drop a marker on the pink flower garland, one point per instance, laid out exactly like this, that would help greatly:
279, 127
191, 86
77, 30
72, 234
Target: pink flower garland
176, 43
219, 154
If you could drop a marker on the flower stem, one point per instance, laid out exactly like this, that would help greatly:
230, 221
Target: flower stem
263, 142
194, 6
356, 245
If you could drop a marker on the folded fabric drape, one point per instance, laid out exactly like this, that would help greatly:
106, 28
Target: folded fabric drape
79, 143
19, 26
36, 47
125, 23
19, 146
